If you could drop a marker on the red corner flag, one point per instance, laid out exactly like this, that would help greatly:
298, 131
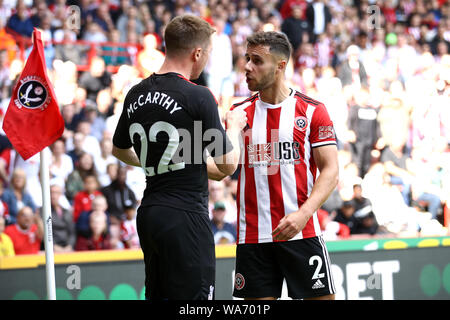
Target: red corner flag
33, 121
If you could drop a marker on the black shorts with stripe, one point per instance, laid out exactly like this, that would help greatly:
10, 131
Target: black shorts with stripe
262, 267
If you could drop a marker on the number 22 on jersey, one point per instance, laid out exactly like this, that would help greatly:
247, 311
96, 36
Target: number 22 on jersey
172, 146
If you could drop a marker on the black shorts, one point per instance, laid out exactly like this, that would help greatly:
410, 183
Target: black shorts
262, 267
179, 253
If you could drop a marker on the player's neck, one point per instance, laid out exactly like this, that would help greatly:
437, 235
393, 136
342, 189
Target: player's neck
177, 66
275, 94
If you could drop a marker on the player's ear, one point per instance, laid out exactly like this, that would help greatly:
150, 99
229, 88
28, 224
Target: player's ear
282, 63
196, 54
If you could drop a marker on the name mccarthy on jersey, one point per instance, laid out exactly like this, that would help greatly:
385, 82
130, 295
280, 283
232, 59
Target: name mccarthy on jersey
156, 98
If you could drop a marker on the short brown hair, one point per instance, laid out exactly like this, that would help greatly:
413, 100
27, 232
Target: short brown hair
277, 42
186, 32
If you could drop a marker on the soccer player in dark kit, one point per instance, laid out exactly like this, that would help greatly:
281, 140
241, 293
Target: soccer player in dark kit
168, 125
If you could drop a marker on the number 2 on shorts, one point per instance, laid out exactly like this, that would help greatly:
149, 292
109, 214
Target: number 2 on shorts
316, 274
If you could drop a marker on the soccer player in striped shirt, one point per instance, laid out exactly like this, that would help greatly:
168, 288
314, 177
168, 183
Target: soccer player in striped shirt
288, 169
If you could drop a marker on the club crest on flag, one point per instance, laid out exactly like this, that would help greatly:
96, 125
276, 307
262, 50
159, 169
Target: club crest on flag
301, 123
32, 93
32, 120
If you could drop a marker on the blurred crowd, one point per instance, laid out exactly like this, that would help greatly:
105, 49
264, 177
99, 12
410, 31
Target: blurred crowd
382, 69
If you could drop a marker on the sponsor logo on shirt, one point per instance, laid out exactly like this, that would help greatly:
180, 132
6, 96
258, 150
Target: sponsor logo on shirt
273, 153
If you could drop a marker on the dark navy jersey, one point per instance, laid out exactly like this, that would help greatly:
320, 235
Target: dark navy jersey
170, 122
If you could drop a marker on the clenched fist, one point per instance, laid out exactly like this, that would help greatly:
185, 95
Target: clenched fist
236, 119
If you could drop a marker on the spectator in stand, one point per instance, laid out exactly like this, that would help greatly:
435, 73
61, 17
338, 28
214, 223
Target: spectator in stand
83, 168
71, 119
119, 195
101, 17
61, 13
82, 225
150, 59
123, 8
295, 26
94, 33
218, 193
77, 150
6, 244
323, 48
67, 50
124, 20
31, 169
345, 215
426, 185
128, 229
220, 64
96, 122
288, 6
27, 233
440, 37
106, 158
396, 163
332, 230
352, 71
149, 24
61, 164
112, 170
20, 22
238, 77
91, 144
15, 195
83, 199
224, 232
105, 107
63, 226
115, 237
319, 16
364, 130
40, 10
306, 57
366, 220
98, 238
95, 79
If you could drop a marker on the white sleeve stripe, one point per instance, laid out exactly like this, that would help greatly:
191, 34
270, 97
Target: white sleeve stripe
323, 143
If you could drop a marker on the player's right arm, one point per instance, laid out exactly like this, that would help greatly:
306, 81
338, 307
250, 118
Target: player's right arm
213, 172
224, 153
126, 155
122, 144
227, 164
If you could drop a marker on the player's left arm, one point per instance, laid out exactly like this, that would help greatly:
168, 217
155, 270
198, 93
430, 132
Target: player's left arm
327, 163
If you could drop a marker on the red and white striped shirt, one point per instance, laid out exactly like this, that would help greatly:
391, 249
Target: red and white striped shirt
277, 167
